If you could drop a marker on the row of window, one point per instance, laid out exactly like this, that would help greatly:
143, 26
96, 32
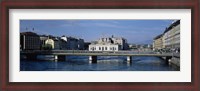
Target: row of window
104, 48
176, 40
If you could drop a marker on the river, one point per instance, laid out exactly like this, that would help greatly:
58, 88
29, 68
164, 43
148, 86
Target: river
104, 63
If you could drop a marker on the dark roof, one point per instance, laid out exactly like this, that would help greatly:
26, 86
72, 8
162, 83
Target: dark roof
43, 35
158, 36
29, 33
172, 25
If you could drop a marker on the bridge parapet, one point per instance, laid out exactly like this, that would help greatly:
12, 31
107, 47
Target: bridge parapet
93, 53
60, 54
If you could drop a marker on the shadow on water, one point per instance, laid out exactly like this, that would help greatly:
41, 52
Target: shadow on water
104, 63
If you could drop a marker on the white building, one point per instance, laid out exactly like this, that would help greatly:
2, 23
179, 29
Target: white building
109, 44
104, 47
53, 44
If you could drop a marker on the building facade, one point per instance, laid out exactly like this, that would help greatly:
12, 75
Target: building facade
29, 41
171, 36
73, 43
52, 44
170, 39
43, 39
63, 44
104, 47
109, 44
158, 42
81, 44
121, 41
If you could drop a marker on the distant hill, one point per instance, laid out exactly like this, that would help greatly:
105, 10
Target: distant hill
143, 42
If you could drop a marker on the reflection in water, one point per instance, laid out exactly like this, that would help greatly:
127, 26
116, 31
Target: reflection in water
104, 63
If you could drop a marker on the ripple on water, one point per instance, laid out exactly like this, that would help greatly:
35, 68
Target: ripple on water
113, 63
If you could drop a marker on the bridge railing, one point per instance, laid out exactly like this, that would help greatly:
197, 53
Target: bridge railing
75, 52
86, 51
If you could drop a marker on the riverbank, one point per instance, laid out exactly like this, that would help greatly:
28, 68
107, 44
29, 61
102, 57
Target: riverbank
175, 61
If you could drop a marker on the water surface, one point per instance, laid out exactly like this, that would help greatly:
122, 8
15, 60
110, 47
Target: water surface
104, 63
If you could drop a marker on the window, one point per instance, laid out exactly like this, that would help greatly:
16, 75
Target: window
91, 48
105, 48
99, 48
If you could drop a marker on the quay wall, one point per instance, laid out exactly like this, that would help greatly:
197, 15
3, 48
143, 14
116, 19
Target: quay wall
175, 61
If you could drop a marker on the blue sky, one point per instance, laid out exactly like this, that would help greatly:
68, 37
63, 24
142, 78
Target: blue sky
135, 31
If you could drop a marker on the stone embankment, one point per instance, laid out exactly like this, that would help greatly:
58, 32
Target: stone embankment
175, 61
